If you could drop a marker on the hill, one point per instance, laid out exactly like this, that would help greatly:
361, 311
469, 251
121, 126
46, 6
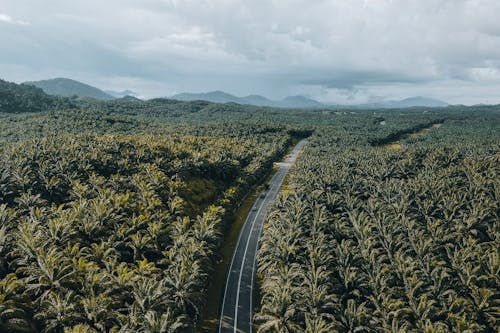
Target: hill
304, 102
299, 102
406, 103
257, 100
213, 96
120, 94
69, 88
421, 101
17, 98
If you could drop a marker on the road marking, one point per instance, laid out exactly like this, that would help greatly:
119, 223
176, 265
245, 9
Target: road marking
229, 272
285, 167
243, 264
278, 178
255, 260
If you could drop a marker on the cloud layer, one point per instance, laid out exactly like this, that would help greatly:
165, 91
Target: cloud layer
334, 50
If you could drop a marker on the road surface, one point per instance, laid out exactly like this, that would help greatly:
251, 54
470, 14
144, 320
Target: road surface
236, 314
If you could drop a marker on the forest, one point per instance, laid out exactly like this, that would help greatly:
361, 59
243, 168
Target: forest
371, 237
103, 231
112, 215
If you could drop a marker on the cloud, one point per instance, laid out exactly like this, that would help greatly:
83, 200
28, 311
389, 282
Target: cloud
8, 19
349, 80
328, 49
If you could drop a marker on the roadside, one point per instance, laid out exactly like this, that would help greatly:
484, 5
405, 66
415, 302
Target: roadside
215, 291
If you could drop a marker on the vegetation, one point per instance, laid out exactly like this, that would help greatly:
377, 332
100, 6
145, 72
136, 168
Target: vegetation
112, 222
113, 215
24, 98
374, 240
104, 231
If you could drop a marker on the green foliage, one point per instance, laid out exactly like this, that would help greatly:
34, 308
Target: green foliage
24, 98
374, 240
108, 232
112, 215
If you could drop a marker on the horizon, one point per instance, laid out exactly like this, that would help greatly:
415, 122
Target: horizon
138, 96
362, 52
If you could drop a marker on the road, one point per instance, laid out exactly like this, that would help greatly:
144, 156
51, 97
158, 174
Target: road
236, 313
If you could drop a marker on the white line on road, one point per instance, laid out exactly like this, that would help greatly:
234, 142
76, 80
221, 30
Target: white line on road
278, 178
254, 264
229, 273
243, 264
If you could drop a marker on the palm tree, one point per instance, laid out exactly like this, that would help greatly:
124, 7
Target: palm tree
164, 322
80, 328
318, 324
184, 282
57, 312
13, 301
98, 310
280, 311
50, 272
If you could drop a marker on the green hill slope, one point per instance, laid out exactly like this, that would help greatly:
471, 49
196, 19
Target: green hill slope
68, 88
16, 98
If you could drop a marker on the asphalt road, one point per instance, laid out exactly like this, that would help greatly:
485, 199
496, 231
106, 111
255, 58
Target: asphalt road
236, 314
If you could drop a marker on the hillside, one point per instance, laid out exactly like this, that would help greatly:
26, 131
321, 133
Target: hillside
304, 102
407, 103
17, 98
299, 102
69, 88
213, 96
120, 94
257, 100
421, 101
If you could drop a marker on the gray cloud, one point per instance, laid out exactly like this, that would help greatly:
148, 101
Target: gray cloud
333, 50
4, 18
342, 79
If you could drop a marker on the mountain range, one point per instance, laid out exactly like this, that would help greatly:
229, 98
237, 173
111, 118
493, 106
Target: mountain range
406, 103
70, 88
303, 102
258, 100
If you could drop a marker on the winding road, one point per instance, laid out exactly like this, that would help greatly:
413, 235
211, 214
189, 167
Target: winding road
237, 305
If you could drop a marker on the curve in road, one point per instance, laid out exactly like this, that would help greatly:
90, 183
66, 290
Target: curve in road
236, 314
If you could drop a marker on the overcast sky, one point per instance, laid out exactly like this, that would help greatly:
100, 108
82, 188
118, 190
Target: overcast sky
343, 51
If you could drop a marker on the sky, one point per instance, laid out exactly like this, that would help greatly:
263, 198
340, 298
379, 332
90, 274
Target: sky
336, 51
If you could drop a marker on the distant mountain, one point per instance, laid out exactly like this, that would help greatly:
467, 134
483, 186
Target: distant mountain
213, 96
299, 102
120, 94
257, 100
129, 98
69, 88
420, 101
223, 97
16, 98
304, 102
406, 103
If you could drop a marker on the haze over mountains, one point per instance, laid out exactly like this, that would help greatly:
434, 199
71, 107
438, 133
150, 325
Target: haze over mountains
406, 103
121, 94
302, 102
70, 88
258, 100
